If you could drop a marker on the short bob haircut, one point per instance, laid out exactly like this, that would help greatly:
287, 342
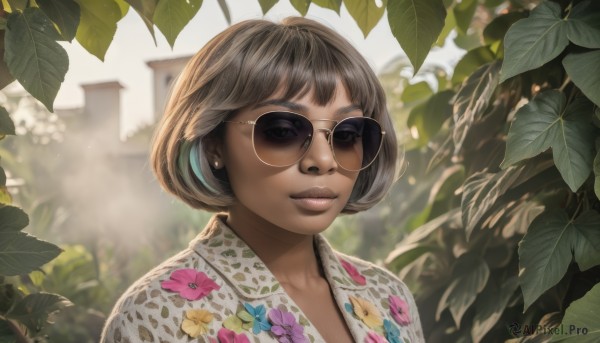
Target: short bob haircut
244, 65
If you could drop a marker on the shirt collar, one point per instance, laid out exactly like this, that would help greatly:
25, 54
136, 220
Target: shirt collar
231, 257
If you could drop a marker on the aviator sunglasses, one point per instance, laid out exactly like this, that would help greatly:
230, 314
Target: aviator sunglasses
282, 138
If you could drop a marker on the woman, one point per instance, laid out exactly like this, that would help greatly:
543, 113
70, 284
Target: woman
280, 127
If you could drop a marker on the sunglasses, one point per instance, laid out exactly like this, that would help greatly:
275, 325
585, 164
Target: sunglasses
282, 138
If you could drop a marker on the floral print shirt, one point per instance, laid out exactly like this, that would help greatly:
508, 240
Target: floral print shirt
219, 291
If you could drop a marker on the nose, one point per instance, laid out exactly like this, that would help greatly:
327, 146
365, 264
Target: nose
319, 157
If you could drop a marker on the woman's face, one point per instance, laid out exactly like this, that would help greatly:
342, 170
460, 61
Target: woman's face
302, 198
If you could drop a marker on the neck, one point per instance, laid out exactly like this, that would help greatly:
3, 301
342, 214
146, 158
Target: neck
288, 255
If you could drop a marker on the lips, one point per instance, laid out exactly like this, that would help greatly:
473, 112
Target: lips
315, 193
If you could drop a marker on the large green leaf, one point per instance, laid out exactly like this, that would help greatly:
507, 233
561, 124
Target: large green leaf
266, 5
21, 253
472, 100
7, 127
597, 169
547, 249
490, 305
366, 13
584, 70
33, 56
497, 28
172, 16
470, 275
428, 117
463, 12
470, 62
98, 25
5, 76
416, 93
584, 24
533, 41
301, 6
449, 25
582, 314
146, 9
34, 309
546, 122
416, 25
13, 219
65, 14
331, 4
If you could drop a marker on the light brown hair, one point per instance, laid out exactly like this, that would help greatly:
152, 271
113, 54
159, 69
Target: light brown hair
244, 65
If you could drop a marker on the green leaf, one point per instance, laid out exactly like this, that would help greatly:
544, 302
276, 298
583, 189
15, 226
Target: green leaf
586, 247
97, 25
532, 42
470, 62
17, 5
405, 254
13, 219
597, 169
490, 305
428, 117
245, 316
33, 56
5, 76
225, 10
6, 333
301, 6
146, 9
124, 6
65, 14
546, 122
34, 309
21, 253
584, 24
331, 4
583, 314
416, 25
2, 181
472, 100
497, 28
470, 275
172, 16
234, 324
366, 13
7, 127
449, 25
266, 5
463, 12
416, 93
584, 70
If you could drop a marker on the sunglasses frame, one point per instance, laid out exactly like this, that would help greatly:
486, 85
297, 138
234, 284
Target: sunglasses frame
328, 134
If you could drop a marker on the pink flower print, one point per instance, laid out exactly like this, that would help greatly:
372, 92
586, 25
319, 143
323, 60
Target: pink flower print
372, 337
190, 284
399, 309
227, 336
354, 274
286, 328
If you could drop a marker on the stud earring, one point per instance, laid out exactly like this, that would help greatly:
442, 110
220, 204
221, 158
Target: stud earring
216, 164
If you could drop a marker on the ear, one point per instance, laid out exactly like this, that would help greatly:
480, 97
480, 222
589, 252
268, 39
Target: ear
213, 147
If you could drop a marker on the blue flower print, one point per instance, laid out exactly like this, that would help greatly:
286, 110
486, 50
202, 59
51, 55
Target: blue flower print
392, 333
258, 313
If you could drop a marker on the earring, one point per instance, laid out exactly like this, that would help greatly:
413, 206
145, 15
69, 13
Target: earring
216, 164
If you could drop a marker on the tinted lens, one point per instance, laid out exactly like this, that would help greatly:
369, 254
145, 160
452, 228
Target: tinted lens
281, 138
356, 142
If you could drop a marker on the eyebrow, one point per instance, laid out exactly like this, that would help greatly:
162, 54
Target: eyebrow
301, 108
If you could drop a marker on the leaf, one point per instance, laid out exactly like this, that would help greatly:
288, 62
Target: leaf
2, 183
124, 6
65, 14
7, 126
301, 6
233, 323
146, 9
17, 5
13, 219
533, 41
405, 254
97, 25
416, 25
463, 12
6, 77
225, 10
266, 5
470, 62
21, 253
33, 56
583, 314
416, 93
366, 13
497, 28
449, 25
34, 309
584, 70
545, 122
597, 169
470, 275
331, 4
429, 117
583, 24
172, 16
472, 100
547, 249
490, 305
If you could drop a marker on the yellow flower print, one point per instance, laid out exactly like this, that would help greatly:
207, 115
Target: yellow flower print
367, 312
196, 322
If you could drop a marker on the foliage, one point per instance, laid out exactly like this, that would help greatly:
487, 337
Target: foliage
518, 240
